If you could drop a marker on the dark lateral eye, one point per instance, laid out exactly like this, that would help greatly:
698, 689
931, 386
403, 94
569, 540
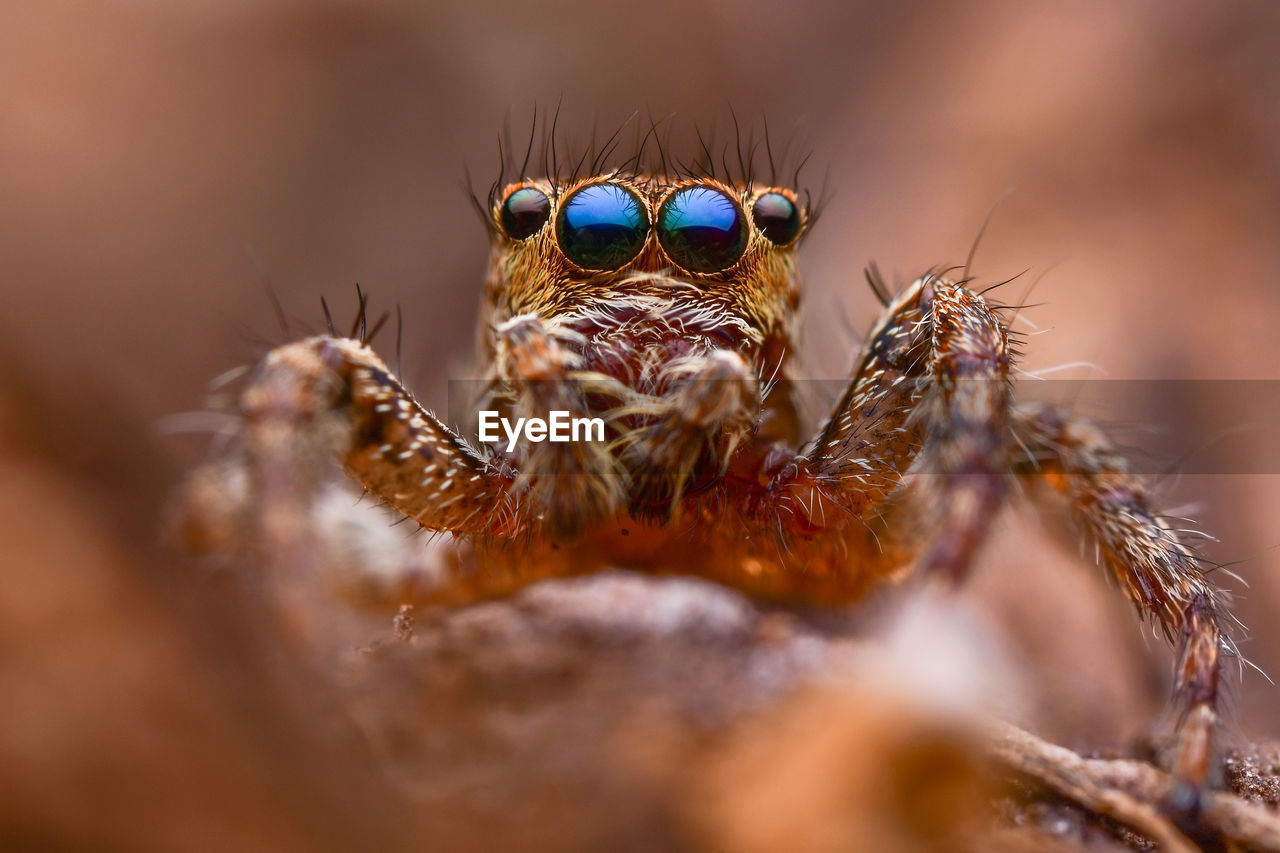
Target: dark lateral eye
601, 227
700, 229
524, 212
777, 217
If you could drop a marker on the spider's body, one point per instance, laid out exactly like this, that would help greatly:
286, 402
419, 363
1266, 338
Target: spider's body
665, 307
637, 339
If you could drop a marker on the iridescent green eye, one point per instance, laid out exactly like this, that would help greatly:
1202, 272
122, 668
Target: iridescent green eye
602, 227
524, 212
777, 217
700, 229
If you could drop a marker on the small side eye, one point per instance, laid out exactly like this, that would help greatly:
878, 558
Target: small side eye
602, 227
777, 217
524, 212
700, 228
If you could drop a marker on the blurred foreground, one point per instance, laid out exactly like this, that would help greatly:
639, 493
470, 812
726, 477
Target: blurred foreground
152, 704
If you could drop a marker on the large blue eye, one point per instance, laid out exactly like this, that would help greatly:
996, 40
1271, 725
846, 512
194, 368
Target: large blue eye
700, 228
601, 227
777, 217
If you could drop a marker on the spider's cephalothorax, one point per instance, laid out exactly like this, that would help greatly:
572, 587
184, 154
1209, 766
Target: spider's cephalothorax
664, 307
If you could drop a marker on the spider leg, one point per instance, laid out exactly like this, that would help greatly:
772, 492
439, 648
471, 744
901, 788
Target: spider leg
573, 483
704, 408
337, 392
1163, 577
929, 403
964, 411
690, 406
322, 398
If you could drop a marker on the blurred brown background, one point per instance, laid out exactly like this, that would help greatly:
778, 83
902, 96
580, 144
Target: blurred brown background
159, 163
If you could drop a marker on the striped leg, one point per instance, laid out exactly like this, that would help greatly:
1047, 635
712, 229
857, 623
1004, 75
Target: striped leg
334, 395
931, 397
572, 483
325, 398
707, 406
1163, 577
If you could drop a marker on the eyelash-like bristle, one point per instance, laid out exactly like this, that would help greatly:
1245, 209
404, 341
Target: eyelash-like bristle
742, 161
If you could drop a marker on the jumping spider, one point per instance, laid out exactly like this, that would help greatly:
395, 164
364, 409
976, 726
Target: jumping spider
665, 305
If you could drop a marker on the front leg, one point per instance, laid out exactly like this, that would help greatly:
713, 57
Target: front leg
325, 398
572, 484
335, 396
682, 437
694, 412
929, 403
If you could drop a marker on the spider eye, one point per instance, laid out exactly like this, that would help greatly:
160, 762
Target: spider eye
524, 212
777, 217
700, 228
602, 227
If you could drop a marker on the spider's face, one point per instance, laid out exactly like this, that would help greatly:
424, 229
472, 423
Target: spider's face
648, 266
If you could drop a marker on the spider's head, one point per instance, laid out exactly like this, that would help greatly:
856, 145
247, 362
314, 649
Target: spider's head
645, 258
